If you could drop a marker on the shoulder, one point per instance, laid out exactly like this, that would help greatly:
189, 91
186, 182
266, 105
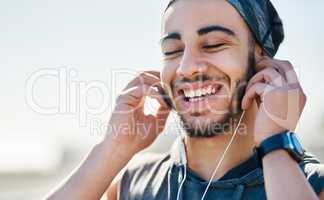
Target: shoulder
314, 171
147, 161
146, 166
144, 176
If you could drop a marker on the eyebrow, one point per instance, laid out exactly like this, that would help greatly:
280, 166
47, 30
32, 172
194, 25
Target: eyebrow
173, 35
217, 28
200, 32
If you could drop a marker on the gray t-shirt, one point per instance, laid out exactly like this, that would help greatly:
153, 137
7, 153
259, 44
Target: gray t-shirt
158, 176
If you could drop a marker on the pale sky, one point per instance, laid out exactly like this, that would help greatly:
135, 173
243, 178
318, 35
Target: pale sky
98, 37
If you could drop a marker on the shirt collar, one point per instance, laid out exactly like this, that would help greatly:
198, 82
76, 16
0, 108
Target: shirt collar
179, 157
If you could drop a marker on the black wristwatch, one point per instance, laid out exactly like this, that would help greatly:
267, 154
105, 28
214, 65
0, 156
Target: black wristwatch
285, 140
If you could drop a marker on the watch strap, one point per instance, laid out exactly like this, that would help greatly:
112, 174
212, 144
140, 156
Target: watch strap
283, 140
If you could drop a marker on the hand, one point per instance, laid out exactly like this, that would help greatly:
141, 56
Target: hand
129, 128
279, 96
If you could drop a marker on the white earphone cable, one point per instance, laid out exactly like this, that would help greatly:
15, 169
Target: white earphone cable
223, 156
184, 162
182, 182
218, 165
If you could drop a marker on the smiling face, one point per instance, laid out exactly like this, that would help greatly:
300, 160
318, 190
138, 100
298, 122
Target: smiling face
207, 57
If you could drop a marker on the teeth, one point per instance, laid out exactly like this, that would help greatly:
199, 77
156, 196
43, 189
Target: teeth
209, 90
205, 91
191, 93
199, 92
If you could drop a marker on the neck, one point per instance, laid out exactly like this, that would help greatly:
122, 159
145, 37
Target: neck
203, 154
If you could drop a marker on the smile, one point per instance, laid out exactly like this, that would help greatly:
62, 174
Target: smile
201, 96
193, 95
197, 94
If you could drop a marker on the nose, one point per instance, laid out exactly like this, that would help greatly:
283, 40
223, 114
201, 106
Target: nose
191, 64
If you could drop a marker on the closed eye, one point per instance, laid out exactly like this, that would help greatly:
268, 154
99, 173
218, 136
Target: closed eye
213, 46
169, 53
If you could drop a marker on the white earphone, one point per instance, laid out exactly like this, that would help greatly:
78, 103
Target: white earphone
218, 165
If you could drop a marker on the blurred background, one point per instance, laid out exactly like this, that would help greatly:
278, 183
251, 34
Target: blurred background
63, 62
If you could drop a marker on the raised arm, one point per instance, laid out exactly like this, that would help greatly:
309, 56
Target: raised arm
281, 101
130, 131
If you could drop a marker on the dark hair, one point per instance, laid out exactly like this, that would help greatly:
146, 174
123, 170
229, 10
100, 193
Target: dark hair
169, 4
263, 21
252, 40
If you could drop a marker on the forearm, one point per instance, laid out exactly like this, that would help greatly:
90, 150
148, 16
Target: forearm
284, 178
93, 177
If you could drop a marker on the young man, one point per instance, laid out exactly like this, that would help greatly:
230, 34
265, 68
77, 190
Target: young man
218, 68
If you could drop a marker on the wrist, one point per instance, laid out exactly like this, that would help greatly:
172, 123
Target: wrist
262, 136
279, 155
285, 141
119, 151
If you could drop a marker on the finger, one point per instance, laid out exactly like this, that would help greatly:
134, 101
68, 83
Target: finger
133, 96
267, 62
147, 77
156, 73
163, 112
143, 78
256, 91
165, 95
290, 72
284, 67
160, 118
267, 75
155, 93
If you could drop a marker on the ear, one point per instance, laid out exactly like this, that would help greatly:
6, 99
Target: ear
258, 52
